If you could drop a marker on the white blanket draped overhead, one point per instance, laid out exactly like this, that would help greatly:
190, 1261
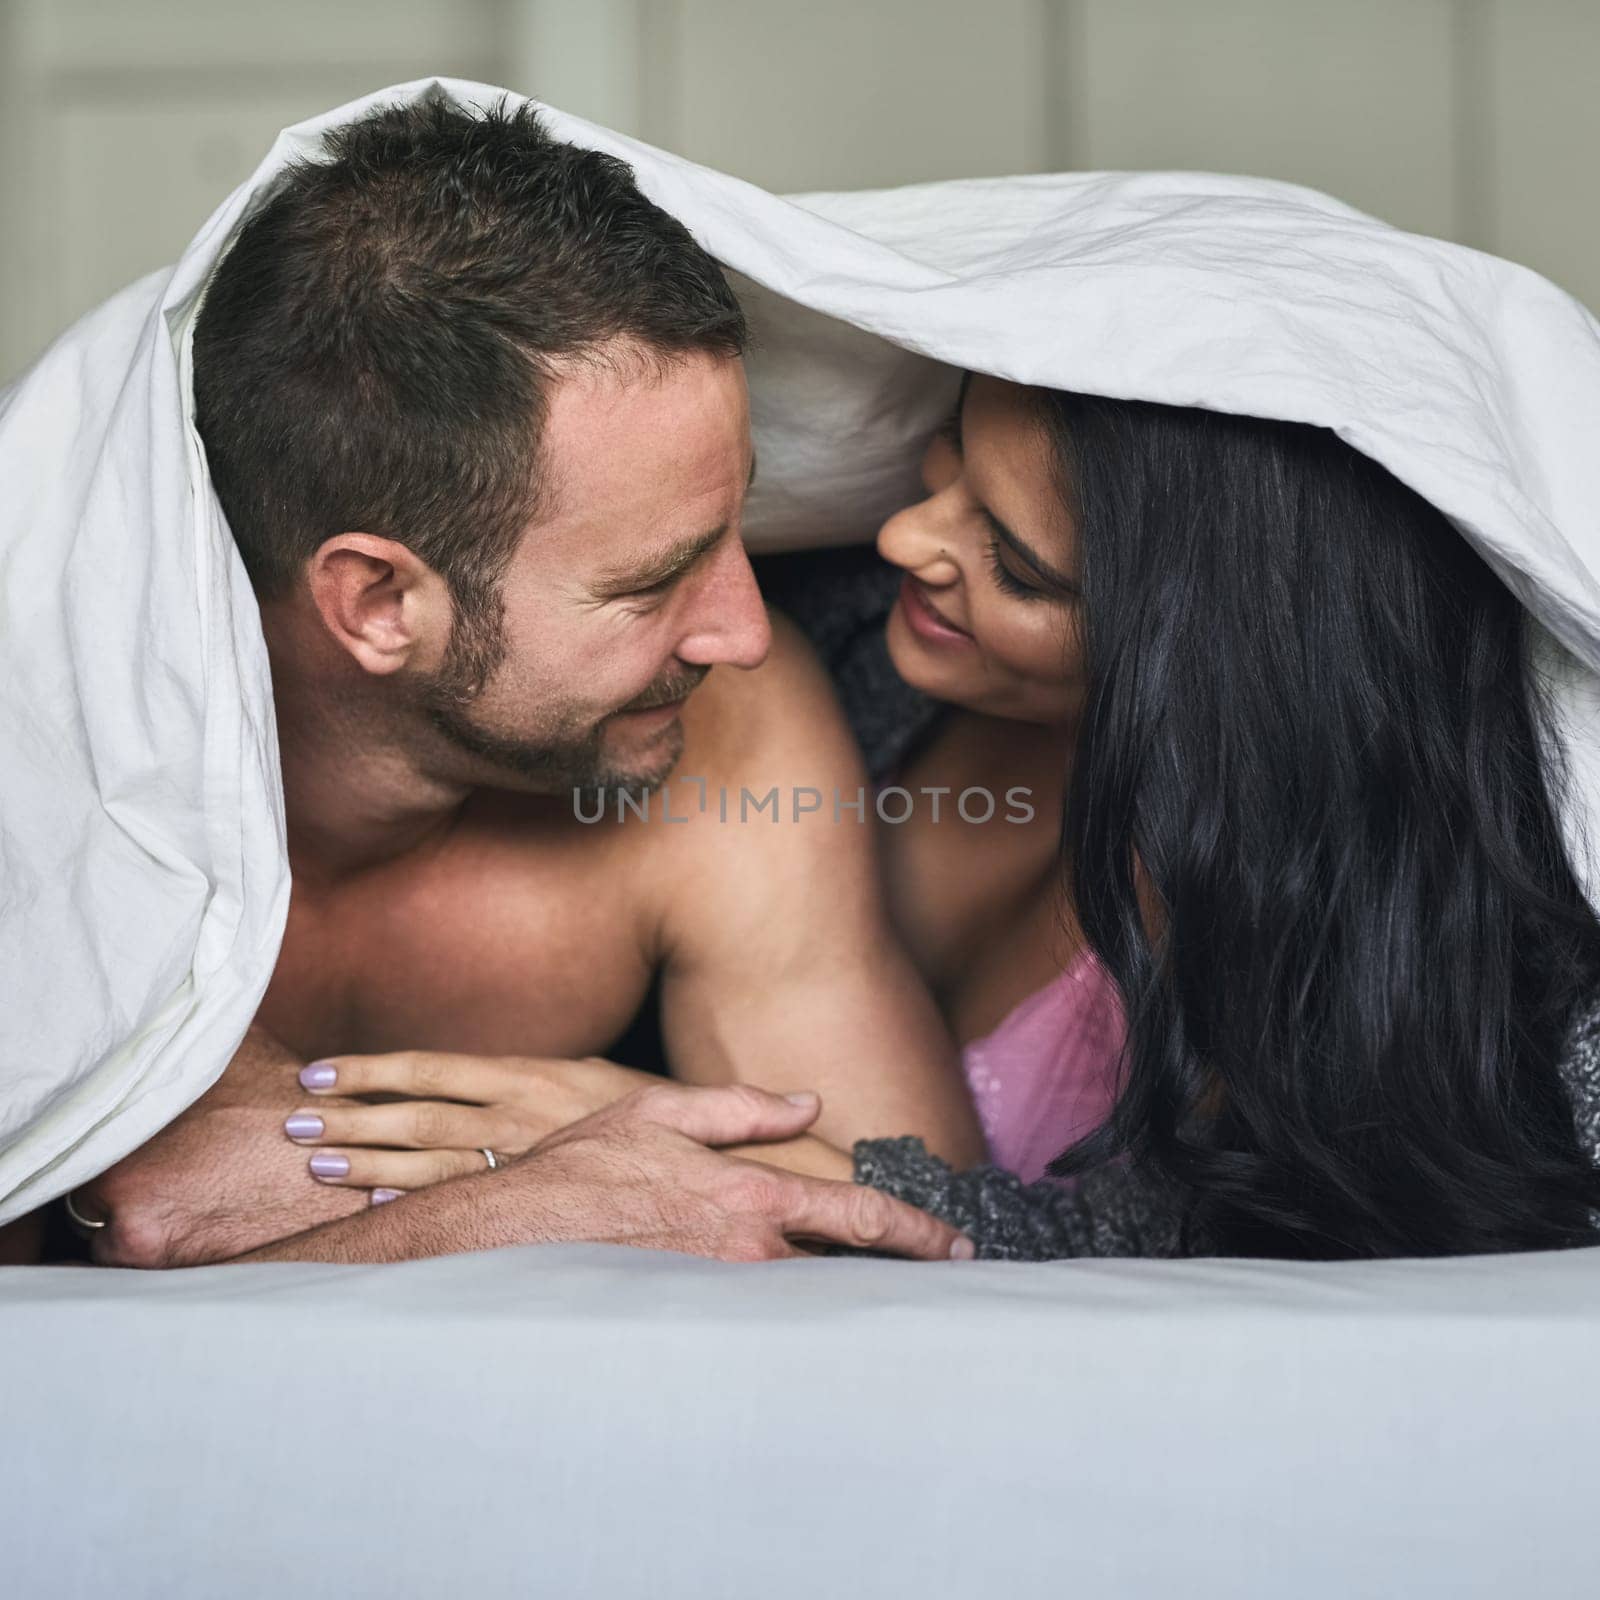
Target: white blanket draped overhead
143, 876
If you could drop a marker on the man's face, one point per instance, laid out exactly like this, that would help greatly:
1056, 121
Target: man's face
628, 588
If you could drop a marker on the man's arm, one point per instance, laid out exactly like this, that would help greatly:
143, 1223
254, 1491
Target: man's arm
219, 1179
643, 1172
780, 966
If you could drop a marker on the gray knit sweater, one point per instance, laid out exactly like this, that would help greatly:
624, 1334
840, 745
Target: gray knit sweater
841, 600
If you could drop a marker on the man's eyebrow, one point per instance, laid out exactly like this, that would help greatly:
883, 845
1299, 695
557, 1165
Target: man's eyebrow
659, 570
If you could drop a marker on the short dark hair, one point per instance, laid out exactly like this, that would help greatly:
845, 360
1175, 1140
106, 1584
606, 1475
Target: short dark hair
375, 350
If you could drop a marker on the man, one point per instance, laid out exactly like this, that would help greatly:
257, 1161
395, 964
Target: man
476, 413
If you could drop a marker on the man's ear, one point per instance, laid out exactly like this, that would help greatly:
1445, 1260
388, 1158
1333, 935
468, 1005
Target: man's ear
380, 602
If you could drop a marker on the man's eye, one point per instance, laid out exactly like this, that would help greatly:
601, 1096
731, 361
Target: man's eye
655, 591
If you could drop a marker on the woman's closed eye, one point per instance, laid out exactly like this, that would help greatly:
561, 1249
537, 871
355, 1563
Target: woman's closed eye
1006, 579
1040, 586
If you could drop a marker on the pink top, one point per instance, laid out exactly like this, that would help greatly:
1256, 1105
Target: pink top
1048, 1073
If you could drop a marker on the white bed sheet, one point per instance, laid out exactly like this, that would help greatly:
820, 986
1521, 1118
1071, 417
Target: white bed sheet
588, 1420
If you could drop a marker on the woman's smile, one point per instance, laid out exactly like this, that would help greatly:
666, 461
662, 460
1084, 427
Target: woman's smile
927, 621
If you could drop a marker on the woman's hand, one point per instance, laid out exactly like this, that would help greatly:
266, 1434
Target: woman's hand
443, 1111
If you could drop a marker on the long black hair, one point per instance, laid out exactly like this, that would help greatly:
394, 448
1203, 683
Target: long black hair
1311, 743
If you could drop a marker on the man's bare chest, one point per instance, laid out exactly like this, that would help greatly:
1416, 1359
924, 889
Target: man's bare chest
500, 943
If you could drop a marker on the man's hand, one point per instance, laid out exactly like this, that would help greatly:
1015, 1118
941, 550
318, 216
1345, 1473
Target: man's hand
645, 1171
219, 1180
680, 1195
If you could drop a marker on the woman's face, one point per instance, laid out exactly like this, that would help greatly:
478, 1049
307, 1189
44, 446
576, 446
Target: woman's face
988, 613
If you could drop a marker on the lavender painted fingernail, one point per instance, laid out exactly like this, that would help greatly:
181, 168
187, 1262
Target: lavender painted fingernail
381, 1197
302, 1125
319, 1075
324, 1164
963, 1249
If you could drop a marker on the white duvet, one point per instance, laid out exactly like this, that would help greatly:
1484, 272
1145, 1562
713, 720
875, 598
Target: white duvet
143, 877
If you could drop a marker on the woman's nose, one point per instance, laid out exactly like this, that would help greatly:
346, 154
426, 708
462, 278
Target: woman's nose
921, 539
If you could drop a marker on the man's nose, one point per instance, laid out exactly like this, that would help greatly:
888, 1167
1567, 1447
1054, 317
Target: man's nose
730, 625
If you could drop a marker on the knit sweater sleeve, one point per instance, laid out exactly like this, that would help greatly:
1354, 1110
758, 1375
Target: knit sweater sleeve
1109, 1212
1580, 1072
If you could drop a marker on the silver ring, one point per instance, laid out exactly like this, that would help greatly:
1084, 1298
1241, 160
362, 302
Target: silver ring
489, 1156
77, 1218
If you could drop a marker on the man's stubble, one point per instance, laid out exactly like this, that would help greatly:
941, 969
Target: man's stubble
571, 757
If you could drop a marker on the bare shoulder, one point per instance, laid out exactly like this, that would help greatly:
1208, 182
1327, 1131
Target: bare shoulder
769, 796
780, 715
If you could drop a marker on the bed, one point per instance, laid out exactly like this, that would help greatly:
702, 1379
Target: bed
590, 1420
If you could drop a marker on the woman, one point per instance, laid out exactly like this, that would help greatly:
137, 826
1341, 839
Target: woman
1279, 714
1292, 845
987, 623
